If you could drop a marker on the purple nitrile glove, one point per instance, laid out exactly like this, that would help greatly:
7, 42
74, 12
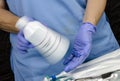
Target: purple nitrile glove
81, 48
22, 44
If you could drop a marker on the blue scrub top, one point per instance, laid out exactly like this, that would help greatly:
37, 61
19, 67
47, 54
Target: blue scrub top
65, 17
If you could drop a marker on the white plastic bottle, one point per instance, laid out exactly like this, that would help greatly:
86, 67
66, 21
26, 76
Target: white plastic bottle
51, 45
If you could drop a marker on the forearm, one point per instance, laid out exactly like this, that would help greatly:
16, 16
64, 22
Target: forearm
94, 11
7, 19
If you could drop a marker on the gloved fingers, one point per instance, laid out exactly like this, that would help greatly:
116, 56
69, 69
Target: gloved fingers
78, 53
68, 59
87, 48
31, 46
21, 49
22, 44
22, 41
21, 37
82, 50
76, 61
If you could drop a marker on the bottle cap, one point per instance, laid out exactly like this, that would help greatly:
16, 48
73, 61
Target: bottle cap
22, 22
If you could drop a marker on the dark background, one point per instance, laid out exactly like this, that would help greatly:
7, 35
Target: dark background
5, 70
6, 73
113, 13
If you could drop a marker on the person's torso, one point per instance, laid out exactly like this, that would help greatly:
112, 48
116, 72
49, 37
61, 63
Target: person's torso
61, 15
65, 17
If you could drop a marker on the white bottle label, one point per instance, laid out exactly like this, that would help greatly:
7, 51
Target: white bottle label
49, 43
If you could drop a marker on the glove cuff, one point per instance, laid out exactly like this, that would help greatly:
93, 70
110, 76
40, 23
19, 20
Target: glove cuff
91, 28
22, 22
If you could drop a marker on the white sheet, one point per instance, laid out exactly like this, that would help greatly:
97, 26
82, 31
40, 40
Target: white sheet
93, 70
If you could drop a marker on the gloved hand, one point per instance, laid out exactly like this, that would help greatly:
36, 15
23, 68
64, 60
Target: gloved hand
22, 44
81, 48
